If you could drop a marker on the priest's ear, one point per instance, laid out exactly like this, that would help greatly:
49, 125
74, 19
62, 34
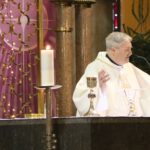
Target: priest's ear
113, 50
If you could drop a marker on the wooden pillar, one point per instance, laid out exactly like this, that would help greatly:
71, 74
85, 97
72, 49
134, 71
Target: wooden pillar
103, 23
84, 35
65, 52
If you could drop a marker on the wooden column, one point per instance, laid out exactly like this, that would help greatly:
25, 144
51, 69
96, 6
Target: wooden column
65, 56
103, 23
84, 35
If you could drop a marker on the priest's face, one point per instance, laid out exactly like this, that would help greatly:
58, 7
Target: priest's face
123, 53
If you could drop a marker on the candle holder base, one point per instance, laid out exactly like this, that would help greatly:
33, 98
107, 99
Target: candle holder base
34, 116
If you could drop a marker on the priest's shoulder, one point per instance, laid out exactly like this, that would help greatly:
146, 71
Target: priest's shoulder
138, 70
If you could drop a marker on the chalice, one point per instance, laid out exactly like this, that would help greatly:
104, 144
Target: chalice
91, 83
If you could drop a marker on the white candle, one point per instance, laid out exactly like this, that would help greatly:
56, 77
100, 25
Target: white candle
47, 67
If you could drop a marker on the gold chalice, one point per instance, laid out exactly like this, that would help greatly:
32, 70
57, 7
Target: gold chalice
91, 83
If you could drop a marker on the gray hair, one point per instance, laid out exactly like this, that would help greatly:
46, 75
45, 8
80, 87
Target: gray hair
114, 39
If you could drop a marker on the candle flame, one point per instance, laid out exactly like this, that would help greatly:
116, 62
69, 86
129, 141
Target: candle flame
48, 47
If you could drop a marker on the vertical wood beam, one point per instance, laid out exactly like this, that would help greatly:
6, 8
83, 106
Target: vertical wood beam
84, 35
65, 53
84, 39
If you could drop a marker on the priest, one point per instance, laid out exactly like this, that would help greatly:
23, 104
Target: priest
121, 88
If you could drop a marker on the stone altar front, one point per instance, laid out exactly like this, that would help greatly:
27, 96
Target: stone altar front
108, 133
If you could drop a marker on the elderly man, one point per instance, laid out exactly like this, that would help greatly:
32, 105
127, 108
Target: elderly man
121, 90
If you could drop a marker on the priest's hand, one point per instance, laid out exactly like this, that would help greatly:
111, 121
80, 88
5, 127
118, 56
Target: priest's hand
103, 77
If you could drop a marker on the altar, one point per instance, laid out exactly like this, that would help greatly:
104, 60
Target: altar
105, 133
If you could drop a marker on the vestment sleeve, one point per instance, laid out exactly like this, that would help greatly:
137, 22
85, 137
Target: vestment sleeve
80, 95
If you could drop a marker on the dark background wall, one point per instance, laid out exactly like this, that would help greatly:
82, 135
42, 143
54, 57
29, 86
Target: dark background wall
102, 23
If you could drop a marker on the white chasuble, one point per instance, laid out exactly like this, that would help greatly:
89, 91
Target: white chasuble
126, 92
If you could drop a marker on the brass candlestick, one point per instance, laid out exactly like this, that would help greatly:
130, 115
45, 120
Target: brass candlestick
50, 137
91, 83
